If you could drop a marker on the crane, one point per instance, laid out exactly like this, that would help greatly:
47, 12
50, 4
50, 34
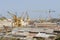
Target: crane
27, 17
14, 18
19, 21
41, 19
50, 11
46, 11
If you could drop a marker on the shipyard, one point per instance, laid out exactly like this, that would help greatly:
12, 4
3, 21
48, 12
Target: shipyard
29, 20
24, 28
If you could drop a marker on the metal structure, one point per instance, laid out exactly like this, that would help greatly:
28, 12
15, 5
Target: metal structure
50, 11
18, 21
45, 11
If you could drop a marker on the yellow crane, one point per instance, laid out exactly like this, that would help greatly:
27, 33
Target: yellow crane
14, 20
19, 21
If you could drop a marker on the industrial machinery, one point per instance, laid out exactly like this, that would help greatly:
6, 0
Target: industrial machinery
20, 21
27, 17
43, 11
14, 20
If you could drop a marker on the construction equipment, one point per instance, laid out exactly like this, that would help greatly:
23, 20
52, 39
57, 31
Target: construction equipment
14, 20
45, 11
41, 19
17, 21
14, 16
50, 11
20, 21
27, 18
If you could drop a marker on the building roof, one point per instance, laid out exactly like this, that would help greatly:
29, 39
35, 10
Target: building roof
44, 35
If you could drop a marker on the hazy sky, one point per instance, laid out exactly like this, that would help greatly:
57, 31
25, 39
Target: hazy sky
35, 8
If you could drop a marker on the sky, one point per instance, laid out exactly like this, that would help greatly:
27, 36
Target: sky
35, 8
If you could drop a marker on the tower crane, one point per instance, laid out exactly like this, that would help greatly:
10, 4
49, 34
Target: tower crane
49, 11
40, 11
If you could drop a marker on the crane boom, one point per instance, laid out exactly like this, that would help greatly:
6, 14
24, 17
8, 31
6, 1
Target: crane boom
10, 13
